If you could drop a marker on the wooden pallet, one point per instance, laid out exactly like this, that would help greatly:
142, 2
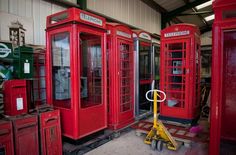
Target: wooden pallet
180, 133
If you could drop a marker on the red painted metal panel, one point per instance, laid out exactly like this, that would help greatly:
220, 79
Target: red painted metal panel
121, 76
50, 132
180, 72
81, 95
76, 15
6, 138
15, 97
222, 95
25, 134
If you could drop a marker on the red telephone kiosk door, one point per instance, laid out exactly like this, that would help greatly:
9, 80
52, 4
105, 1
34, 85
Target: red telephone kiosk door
223, 98
76, 71
175, 56
180, 73
121, 76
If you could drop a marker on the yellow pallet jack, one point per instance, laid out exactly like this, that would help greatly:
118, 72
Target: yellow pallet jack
159, 134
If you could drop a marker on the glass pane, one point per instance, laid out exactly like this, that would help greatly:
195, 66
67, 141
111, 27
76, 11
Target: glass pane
144, 104
174, 99
157, 62
144, 62
126, 82
91, 70
61, 69
175, 74
59, 18
157, 65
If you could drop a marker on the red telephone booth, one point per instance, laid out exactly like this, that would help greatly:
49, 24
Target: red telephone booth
180, 73
223, 98
121, 76
76, 71
143, 72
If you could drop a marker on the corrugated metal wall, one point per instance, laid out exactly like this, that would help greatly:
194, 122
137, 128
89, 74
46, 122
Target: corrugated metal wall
36, 10
206, 38
132, 12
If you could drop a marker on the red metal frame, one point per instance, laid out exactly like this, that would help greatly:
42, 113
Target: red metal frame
77, 121
6, 137
180, 44
120, 84
15, 97
223, 124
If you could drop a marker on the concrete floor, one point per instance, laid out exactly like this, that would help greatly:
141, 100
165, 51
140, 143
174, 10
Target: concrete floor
130, 144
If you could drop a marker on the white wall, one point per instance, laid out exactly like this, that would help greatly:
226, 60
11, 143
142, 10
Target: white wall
32, 14
206, 38
132, 12
32, 11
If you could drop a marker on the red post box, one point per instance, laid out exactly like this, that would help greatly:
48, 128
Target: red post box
50, 132
6, 138
180, 73
121, 76
25, 134
76, 71
143, 72
223, 98
15, 97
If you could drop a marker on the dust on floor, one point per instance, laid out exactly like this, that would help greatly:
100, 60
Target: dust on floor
130, 144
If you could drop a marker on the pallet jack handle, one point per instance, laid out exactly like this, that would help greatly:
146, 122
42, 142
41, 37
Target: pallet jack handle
155, 100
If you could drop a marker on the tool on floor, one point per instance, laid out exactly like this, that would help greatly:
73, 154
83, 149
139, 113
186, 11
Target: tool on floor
159, 134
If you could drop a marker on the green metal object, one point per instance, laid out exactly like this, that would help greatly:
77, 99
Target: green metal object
23, 62
6, 51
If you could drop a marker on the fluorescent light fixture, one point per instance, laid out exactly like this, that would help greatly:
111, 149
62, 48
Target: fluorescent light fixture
211, 17
204, 5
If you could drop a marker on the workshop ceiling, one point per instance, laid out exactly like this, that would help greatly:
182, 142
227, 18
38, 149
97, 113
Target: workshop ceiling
184, 11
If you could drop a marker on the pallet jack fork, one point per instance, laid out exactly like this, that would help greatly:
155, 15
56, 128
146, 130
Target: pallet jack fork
159, 134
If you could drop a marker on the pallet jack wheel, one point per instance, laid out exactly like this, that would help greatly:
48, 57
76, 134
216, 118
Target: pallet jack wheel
154, 144
159, 145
